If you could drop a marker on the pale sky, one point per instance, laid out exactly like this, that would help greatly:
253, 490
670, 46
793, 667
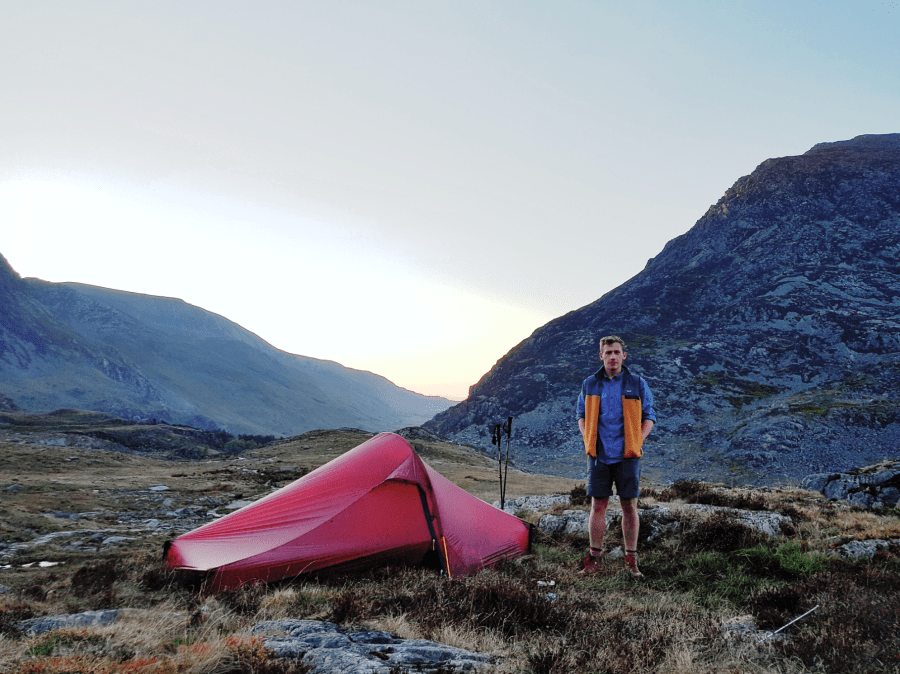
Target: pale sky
409, 188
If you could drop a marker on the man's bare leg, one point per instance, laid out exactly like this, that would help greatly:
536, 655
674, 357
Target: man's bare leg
597, 522
631, 525
596, 530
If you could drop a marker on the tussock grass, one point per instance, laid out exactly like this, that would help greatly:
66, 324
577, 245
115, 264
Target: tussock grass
714, 570
606, 623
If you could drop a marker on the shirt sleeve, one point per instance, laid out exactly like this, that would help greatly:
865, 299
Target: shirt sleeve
579, 412
647, 411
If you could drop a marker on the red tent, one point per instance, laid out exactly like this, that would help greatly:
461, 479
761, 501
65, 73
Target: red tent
377, 503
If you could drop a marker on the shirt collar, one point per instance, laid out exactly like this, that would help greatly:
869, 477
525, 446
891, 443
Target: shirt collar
601, 374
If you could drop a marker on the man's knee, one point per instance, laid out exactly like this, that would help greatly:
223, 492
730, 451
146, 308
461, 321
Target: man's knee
599, 505
629, 506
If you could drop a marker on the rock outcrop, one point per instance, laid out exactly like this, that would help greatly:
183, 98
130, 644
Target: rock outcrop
875, 486
769, 334
658, 522
328, 648
322, 646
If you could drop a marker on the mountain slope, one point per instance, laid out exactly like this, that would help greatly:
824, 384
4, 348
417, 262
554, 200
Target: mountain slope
72, 345
769, 332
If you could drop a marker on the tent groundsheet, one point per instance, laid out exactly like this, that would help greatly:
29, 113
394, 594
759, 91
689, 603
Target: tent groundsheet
376, 504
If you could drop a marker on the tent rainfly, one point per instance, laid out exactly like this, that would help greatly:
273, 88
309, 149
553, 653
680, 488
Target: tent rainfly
376, 504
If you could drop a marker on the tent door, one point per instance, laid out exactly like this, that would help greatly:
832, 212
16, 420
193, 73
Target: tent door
435, 557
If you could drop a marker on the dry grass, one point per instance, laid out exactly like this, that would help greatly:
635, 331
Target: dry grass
606, 623
714, 571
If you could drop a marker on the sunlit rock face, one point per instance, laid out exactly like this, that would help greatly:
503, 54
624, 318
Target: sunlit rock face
769, 333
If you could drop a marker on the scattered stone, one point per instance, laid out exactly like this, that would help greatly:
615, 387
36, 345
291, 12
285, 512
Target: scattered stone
328, 648
866, 549
34, 626
660, 521
160, 487
763, 521
743, 628
532, 503
570, 522
875, 486
237, 505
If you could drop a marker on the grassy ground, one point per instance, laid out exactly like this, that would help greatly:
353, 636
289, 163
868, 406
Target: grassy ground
714, 571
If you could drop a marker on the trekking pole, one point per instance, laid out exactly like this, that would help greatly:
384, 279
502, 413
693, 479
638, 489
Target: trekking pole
508, 428
769, 636
497, 439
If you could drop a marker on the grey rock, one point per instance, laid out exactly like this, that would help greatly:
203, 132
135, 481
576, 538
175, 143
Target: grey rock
237, 505
553, 524
328, 648
661, 522
742, 627
532, 503
861, 499
34, 626
890, 497
870, 486
841, 488
864, 549
657, 519
293, 627
879, 478
765, 522
574, 522
817, 481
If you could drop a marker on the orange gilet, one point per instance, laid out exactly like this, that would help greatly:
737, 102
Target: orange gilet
632, 411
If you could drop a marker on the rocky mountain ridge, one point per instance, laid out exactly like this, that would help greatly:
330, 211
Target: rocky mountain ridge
68, 345
769, 333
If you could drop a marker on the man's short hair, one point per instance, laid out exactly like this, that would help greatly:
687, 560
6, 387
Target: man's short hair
611, 339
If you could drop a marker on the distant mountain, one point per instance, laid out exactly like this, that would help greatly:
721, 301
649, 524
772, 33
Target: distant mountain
770, 333
67, 345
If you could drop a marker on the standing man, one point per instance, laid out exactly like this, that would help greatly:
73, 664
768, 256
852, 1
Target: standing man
615, 415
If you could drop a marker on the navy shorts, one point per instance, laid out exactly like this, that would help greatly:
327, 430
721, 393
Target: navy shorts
626, 475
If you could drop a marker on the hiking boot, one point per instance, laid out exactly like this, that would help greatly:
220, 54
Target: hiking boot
631, 565
591, 566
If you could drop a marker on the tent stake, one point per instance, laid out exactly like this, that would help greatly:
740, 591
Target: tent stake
769, 636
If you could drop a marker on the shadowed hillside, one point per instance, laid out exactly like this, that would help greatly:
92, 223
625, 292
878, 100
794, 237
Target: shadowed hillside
67, 345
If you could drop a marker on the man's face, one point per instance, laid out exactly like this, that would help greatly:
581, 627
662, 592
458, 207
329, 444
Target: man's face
612, 356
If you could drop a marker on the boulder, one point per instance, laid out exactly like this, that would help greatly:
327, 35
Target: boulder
532, 503
764, 521
324, 646
660, 521
866, 549
328, 648
34, 626
875, 486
